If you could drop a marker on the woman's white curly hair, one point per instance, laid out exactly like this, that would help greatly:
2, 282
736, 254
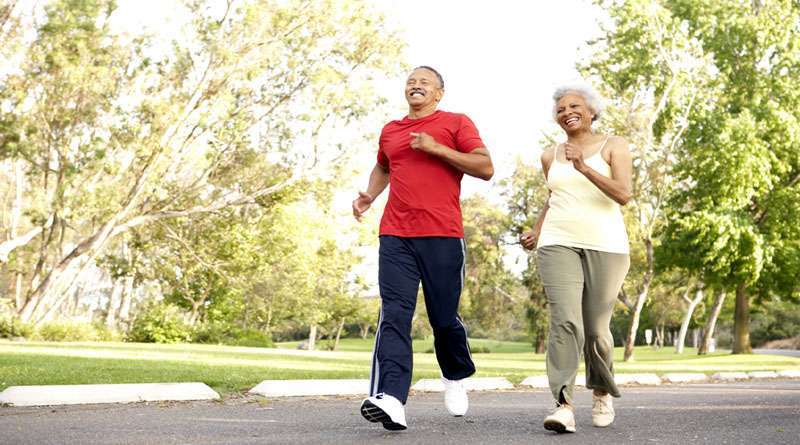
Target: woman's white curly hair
593, 99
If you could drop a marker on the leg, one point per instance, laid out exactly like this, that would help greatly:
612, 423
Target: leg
398, 280
442, 265
562, 275
604, 273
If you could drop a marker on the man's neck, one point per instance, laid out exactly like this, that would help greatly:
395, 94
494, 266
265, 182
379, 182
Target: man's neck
421, 112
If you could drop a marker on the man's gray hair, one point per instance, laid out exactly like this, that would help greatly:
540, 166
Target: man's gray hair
593, 100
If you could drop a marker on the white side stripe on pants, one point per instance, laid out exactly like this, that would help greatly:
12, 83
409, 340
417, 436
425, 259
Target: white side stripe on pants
376, 367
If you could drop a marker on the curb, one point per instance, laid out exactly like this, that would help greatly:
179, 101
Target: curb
684, 377
43, 395
730, 376
40, 395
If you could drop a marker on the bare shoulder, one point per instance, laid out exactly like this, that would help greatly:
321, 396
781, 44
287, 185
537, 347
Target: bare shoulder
548, 154
617, 143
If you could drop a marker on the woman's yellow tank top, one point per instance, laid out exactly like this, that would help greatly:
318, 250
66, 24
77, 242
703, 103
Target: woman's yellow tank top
580, 214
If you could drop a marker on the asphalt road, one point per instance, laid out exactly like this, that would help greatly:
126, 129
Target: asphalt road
766, 412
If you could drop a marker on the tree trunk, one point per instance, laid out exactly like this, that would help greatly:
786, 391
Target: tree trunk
708, 331
338, 334
636, 313
312, 337
114, 301
741, 322
692, 304
365, 330
640, 300
124, 314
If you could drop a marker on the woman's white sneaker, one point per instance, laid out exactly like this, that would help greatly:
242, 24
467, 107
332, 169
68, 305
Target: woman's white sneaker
562, 420
455, 397
602, 410
385, 409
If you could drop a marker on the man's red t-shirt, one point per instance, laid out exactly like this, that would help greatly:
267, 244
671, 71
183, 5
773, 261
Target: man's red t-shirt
424, 191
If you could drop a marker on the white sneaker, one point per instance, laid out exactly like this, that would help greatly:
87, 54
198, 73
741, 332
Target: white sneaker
602, 410
385, 409
562, 420
455, 397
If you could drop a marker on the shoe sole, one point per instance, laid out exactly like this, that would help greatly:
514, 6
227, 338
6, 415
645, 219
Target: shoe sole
375, 414
558, 427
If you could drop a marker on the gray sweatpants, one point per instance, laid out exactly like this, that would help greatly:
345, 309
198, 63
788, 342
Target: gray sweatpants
581, 287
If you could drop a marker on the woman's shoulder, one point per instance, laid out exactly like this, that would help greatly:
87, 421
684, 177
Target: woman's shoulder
549, 153
615, 141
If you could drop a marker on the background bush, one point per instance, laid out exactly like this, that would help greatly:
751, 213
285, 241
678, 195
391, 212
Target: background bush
160, 322
11, 328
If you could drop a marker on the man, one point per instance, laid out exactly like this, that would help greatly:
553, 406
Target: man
423, 156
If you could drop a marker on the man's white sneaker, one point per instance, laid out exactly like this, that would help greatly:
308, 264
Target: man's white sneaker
602, 410
455, 397
562, 420
385, 409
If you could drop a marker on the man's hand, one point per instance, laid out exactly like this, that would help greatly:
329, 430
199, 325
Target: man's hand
424, 142
361, 205
529, 239
574, 154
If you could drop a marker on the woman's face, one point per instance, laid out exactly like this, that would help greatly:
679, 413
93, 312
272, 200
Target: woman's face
572, 113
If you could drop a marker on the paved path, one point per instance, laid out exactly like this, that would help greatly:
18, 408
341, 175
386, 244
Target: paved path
787, 352
766, 412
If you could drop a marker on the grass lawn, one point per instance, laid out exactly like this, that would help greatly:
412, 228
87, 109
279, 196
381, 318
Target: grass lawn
230, 369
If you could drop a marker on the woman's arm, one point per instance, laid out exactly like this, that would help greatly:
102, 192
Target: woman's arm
619, 186
530, 238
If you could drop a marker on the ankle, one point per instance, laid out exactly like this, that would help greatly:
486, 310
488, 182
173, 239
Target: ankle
600, 393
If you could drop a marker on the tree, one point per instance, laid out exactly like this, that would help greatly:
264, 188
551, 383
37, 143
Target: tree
525, 193
691, 304
738, 199
115, 136
654, 75
491, 300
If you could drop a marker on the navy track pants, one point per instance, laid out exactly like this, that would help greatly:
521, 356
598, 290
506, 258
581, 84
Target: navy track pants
438, 262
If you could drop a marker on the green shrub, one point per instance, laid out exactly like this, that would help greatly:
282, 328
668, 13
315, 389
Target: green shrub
254, 338
472, 350
160, 322
66, 331
104, 333
11, 327
224, 334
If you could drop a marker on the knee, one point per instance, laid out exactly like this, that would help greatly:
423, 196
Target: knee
601, 341
450, 324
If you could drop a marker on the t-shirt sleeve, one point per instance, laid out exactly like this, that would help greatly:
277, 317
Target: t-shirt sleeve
383, 160
467, 138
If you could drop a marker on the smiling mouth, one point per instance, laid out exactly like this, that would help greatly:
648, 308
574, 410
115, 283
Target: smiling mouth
571, 120
416, 93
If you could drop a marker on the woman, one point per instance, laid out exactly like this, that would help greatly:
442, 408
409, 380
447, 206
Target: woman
582, 253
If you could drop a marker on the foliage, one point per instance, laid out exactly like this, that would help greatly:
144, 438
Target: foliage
775, 319
492, 300
117, 133
225, 334
525, 193
12, 327
160, 322
736, 205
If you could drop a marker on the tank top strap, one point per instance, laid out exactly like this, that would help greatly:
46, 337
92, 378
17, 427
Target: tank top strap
603, 146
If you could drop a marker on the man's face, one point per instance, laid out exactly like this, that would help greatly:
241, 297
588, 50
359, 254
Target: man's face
423, 88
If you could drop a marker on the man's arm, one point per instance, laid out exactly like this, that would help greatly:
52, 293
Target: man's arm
378, 180
476, 163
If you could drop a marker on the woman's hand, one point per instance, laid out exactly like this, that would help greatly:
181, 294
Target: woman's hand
529, 239
574, 154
